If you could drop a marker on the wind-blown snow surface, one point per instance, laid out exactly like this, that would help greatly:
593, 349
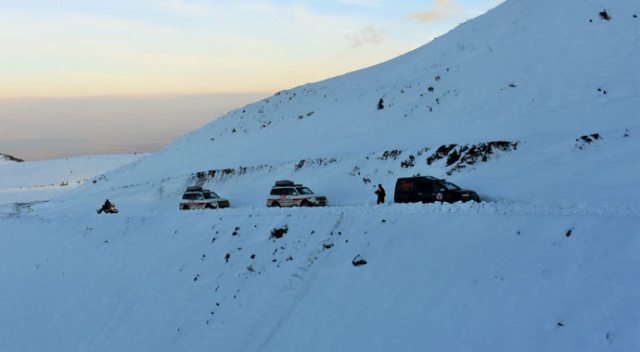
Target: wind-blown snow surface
548, 262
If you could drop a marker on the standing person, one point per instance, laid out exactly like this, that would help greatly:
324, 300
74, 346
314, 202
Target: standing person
106, 206
381, 194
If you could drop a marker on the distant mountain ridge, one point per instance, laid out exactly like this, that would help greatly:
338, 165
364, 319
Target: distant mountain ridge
5, 157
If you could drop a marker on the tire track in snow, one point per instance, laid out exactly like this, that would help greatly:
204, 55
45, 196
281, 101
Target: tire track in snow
304, 278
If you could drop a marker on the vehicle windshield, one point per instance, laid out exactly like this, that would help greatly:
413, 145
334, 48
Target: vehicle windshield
304, 190
210, 195
451, 187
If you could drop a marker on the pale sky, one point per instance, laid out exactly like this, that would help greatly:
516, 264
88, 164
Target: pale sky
142, 47
150, 48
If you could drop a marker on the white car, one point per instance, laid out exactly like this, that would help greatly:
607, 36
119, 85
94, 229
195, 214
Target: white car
197, 198
285, 193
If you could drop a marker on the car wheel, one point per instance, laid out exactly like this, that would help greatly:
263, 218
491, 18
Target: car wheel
209, 206
275, 204
305, 203
185, 207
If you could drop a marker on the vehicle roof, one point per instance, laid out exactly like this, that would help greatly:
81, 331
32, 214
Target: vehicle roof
197, 191
430, 178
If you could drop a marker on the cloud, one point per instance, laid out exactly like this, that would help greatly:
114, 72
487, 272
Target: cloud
442, 9
368, 35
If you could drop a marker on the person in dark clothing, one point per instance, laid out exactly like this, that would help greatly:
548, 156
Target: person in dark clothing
381, 194
106, 207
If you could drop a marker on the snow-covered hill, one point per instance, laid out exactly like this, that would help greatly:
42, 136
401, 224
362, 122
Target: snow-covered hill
40, 181
533, 105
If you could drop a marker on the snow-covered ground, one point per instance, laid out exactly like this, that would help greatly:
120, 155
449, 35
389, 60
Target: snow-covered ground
533, 105
43, 180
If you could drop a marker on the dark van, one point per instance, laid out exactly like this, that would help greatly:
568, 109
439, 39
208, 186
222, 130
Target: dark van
428, 189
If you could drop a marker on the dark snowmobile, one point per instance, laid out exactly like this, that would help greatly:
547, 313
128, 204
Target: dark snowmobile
108, 208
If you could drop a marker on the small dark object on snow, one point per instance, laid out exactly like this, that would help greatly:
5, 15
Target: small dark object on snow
108, 208
590, 138
358, 261
278, 233
604, 15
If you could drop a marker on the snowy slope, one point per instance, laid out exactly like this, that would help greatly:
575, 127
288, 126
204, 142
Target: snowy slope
40, 181
520, 73
548, 262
